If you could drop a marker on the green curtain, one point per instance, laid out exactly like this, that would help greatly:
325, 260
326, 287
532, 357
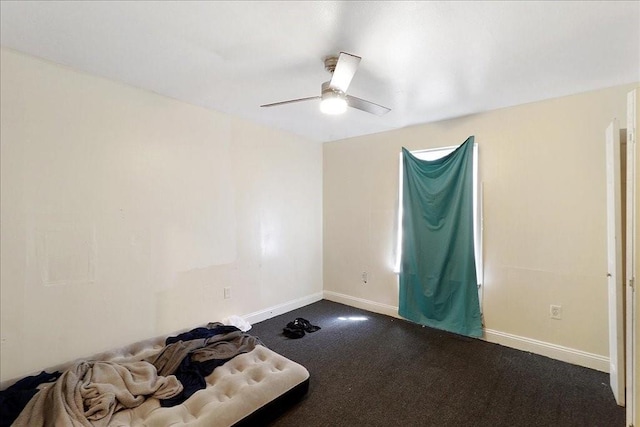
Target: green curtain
438, 284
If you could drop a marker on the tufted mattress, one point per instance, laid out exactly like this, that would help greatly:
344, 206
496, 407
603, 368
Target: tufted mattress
237, 393
248, 390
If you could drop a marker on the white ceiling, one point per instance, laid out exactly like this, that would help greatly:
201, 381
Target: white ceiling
427, 61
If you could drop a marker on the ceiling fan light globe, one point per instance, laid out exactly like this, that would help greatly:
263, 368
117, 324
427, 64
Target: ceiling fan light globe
333, 105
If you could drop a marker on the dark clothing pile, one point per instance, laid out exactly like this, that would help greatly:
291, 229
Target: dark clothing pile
15, 398
298, 327
212, 329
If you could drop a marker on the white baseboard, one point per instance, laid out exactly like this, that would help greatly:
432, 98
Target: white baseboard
553, 351
364, 304
276, 310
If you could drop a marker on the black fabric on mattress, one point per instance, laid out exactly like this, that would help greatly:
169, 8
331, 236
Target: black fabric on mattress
196, 333
15, 398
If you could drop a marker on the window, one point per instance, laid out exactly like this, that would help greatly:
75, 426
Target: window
433, 154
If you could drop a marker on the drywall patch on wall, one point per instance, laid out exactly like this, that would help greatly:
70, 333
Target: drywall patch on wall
197, 297
66, 254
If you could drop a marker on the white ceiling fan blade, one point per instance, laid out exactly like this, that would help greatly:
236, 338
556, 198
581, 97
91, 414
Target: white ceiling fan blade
367, 106
290, 101
345, 69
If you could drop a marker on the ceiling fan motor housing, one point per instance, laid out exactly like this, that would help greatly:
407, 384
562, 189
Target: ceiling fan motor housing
331, 92
330, 63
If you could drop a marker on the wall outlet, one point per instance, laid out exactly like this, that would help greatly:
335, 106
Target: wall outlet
555, 312
365, 277
227, 293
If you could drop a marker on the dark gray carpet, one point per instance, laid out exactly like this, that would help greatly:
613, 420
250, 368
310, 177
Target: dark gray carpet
384, 371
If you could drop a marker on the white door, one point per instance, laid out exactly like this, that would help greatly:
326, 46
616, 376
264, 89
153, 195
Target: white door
614, 264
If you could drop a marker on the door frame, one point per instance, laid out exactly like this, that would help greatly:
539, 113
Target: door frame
633, 199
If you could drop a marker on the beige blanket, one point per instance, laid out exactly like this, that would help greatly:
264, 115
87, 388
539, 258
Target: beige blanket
89, 393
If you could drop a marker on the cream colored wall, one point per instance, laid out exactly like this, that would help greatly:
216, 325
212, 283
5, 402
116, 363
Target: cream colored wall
543, 172
125, 214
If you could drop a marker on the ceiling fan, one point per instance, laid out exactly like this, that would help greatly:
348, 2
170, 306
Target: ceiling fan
334, 98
